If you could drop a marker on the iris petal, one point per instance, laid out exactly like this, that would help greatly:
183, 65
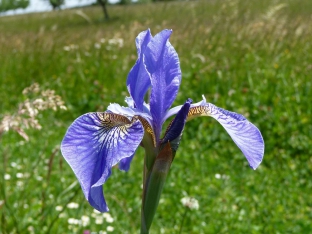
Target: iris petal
138, 80
148, 131
246, 135
130, 112
176, 127
93, 144
124, 163
163, 65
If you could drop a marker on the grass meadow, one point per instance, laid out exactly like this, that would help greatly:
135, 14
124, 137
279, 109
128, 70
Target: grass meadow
251, 57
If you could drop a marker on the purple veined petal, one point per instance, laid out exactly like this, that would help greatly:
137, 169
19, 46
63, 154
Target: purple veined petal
124, 163
130, 102
93, 144
162, 63
149, 139
138, 80
130, 112
246, 135
121, 110
176, 109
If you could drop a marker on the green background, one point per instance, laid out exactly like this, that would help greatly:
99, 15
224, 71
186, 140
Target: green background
251, 57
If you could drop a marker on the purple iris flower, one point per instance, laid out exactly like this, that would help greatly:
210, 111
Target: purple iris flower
95, 142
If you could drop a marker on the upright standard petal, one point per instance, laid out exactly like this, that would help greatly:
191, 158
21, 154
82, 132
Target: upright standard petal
93, 144
138, 80
246, 135
163, 65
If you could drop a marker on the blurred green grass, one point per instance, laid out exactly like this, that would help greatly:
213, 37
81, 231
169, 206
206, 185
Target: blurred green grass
251, 57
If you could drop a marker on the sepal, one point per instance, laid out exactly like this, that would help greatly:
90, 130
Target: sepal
93, 144
154, 186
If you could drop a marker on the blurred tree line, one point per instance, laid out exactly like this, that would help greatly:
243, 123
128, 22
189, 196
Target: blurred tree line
6, 5
56, 4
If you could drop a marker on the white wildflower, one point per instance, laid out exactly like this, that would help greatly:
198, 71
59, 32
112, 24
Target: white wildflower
110, 220
99, 220
97, 45
96, 211
116, 41
72, 205
190, 203
31, 229
19, 175
110, 228
108, 217
85, 220
224, 177
66, 48
73, 221
59, 208
19, 183
217, 176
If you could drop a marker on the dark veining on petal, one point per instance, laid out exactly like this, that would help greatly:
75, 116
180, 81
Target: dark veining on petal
198, 111
148, 129
232, 114
209, 109
111, 120
113, 126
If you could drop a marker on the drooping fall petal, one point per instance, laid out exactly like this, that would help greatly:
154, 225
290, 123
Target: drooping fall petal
246, 135
93, 144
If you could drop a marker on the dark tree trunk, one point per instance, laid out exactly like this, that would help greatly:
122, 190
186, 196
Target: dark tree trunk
103, 5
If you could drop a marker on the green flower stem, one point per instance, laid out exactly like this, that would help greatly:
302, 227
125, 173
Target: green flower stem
153, 186
183, 218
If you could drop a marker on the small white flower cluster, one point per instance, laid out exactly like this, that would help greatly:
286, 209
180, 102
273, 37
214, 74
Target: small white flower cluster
116, 41
70, 47
113, 42
224, 177
84, 221
73, 221
190, 202
26, 116
99, 217
72, 205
